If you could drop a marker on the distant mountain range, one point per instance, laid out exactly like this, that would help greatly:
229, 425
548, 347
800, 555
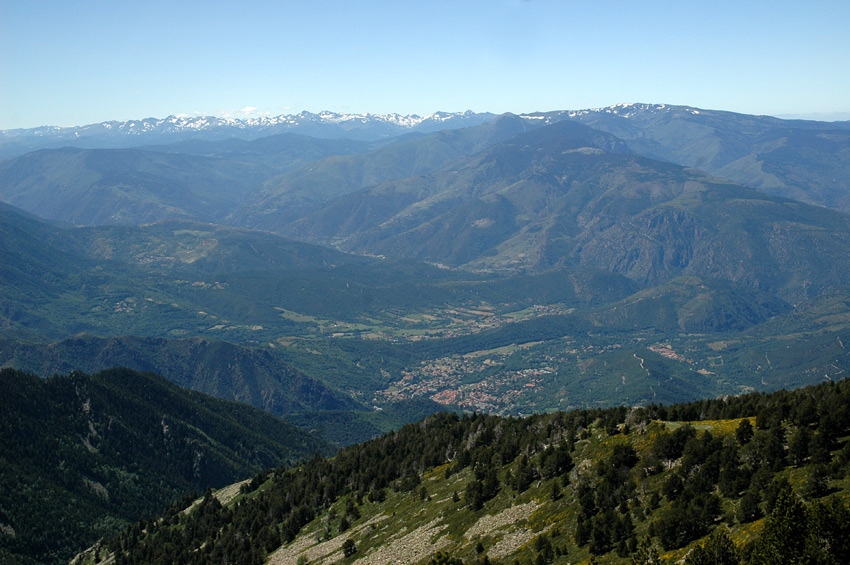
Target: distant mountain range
254, 169
800, 159
176, 128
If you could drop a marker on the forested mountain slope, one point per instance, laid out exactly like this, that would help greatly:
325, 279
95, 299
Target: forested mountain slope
289, 197
749, 479
224, 370
85, 455
569, 195
118, 186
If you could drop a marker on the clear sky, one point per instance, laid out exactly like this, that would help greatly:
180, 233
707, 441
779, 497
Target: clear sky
74, 62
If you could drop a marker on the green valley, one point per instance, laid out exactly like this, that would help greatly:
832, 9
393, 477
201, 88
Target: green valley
499, 330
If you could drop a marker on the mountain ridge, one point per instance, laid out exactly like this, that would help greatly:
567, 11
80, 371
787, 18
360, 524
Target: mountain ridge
220, 369
801, 159
567, 194
175, 128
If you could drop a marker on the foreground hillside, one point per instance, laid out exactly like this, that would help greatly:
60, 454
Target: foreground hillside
753, 479
82, 456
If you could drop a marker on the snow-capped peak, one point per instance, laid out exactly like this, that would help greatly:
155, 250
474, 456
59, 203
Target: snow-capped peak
323, 124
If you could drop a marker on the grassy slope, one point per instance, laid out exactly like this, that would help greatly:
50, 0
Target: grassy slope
406, 525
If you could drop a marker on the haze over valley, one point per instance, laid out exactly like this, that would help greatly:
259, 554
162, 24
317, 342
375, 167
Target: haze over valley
485, 282
354, 273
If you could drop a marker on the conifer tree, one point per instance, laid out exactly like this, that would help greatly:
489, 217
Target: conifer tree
646, 554
718, 550
784, 537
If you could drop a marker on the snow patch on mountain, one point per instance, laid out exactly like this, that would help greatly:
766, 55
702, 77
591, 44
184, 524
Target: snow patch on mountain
182, 123
624, 110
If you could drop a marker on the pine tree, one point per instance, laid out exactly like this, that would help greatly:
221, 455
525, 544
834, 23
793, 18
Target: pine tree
556, 490
718, 550
798, 446
646, 554
784, 537
744, 433
349, 548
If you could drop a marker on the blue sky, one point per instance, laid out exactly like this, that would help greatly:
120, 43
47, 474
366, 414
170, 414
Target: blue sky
75, 62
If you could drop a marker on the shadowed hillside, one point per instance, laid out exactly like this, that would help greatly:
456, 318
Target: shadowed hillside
85, 455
